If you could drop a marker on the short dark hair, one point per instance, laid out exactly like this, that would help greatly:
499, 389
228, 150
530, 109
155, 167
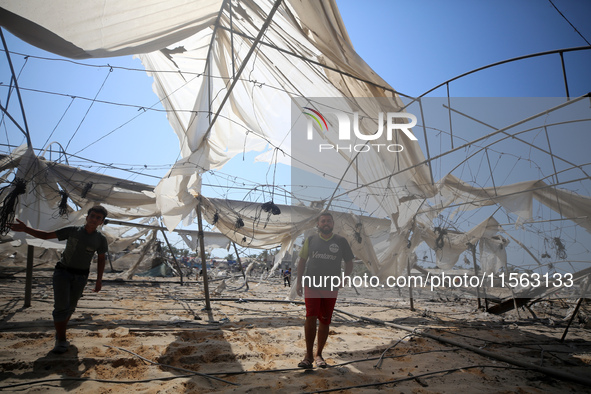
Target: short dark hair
99, 209
324, 214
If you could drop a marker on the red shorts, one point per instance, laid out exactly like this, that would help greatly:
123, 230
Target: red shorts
320, 303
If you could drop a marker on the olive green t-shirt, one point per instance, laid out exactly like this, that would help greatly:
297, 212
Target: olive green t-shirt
81, 246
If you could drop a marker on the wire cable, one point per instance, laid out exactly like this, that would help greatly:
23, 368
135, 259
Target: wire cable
566, 19
88, 110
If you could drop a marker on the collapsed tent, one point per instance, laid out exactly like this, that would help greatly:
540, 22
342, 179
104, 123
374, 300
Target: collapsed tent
232, 75
305, 52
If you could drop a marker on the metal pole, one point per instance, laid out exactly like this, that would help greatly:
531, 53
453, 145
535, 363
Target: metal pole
143, 253
232, 39
473, 250
451, 131
491, 171
5, 110
412, 304
110, 262
429, 158
29, 275
576, 311
240, 70
240, 264
564, 75
173, 256
18, 93
202, 253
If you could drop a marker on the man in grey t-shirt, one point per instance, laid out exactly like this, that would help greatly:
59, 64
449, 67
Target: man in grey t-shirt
321, 257
71, 272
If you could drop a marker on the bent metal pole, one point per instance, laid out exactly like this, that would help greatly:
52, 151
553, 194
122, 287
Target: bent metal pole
202, 254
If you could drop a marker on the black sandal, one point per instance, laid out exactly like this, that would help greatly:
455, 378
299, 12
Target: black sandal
305, 364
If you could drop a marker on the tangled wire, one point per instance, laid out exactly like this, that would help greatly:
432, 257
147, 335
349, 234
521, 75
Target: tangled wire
357, 232
86, 189
557, 245
439, 243
63, 206
560, 248
270, 207
9, 203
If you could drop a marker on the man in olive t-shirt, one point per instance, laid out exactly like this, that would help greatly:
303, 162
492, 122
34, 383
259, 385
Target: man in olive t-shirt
71, 272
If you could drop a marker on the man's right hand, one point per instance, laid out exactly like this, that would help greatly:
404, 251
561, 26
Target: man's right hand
299, 289
22, 227
18, 226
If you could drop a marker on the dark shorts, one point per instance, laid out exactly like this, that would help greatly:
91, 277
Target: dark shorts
68, 287
320, 303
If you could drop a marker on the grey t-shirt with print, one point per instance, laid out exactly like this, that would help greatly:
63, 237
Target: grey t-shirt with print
325, 256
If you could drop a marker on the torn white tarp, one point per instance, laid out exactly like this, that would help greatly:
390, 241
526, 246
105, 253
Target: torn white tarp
449, 245
210, 239
518, 198
83, 29
39, 205
247, 224
298, 57
493, 254
45, 180
198, 48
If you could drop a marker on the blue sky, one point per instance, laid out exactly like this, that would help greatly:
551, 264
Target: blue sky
416, 45
413, 45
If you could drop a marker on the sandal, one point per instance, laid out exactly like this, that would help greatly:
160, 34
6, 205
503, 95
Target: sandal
60, 347
305, 364
320, 363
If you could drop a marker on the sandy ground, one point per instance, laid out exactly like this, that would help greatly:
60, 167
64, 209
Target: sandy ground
152, 335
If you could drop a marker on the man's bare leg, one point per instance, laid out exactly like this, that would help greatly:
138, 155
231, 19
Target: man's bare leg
322, 338
310, 334
61, 343
60, 329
